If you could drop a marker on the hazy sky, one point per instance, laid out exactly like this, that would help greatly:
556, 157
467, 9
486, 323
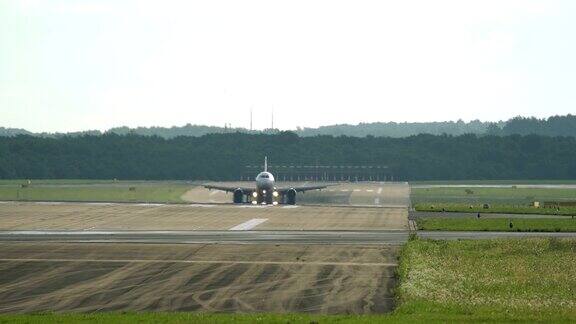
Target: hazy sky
75, 65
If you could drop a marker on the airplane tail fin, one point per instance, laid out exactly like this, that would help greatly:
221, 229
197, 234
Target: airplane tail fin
265, 164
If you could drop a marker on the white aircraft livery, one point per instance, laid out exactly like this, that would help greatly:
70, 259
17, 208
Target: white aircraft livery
265, 192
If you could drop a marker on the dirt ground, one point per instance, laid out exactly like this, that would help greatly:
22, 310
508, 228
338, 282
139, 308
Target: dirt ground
188, 277
94, 216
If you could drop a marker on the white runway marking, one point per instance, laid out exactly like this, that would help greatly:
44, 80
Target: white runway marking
344, 190
249, 224
290, 206
199, 205
254, 206
369, 190
376, 201
151, 205
380, 190
100, 204
356, 190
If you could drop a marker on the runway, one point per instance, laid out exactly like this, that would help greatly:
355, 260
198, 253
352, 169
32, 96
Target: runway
194, 217
392, 237
230, 237
325, 255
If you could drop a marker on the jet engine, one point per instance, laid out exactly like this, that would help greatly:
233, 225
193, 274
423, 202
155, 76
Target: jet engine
291, 197
238, 196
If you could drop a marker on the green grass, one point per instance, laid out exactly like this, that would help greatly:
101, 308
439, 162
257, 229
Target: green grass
54, 181
115, 193
421, 313
490, 182
496, 224
494, 208
475, 195
8, 182
528, 279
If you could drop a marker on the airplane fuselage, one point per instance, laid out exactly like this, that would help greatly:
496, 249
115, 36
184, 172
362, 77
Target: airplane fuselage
265, 189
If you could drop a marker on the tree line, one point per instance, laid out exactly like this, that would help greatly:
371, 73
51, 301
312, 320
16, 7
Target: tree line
223, 156
552, 126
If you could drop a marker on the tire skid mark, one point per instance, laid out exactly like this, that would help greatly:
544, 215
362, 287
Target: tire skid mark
325, 279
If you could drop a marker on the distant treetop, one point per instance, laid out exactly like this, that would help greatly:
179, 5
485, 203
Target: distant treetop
552, 126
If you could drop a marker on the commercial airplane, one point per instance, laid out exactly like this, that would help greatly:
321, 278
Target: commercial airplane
265, 192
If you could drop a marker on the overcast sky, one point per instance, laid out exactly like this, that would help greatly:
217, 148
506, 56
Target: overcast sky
76, 65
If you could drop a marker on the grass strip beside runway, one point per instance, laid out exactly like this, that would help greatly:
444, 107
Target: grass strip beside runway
491, 195
493, 209
423, 316
529, 279
497, 224
154, 193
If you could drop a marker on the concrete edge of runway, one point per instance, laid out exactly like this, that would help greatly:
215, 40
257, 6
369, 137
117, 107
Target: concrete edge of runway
259, 237
187, 203
199, 232
231, 237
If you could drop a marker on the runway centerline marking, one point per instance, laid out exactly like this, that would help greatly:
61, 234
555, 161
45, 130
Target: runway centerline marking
369, 190
362, 264
249, 224
380, 190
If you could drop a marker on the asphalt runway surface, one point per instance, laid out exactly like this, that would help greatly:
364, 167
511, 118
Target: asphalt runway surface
228, 237
392, 237
99, 216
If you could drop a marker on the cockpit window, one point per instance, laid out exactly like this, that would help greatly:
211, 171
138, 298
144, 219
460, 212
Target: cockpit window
264, 176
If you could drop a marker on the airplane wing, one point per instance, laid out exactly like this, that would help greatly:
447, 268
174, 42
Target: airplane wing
301, 188
281, 190
247, 190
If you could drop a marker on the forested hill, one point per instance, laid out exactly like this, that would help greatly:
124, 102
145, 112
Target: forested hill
222, 156
13, 131
552, 126
392, 129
